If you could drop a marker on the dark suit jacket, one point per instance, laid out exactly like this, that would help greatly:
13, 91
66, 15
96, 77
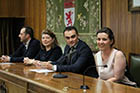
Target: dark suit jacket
80, 60
21, 52
52, 55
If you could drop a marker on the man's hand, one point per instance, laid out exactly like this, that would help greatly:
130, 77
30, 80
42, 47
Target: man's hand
28, 61
46, 65
5, 58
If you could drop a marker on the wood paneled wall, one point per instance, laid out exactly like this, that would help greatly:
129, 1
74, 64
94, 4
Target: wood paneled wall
115, 15
11, 8
35, 13
125, 25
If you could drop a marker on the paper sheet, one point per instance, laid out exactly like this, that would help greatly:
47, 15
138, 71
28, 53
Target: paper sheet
5, 63
41, 70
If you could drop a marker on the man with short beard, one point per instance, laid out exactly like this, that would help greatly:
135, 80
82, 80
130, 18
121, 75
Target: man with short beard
29, 47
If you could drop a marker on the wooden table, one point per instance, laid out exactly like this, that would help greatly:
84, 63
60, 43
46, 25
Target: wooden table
17, 78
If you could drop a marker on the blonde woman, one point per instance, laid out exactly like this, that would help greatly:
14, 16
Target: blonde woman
50, 50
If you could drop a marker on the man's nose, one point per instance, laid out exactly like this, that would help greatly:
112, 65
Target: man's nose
70, 39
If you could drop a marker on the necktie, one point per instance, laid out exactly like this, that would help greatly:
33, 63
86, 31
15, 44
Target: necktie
70, 54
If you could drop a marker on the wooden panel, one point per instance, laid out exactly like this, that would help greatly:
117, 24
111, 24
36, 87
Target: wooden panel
11, 8
8, 78
37, 89
136, 32
35, 12
12, 87
124, 24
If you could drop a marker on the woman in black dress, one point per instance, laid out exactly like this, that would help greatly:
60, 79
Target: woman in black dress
50, 50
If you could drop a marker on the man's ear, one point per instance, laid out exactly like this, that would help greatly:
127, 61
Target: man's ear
27, 35
78, 36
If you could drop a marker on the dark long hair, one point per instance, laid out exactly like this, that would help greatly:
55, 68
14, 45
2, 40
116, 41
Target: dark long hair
52, 35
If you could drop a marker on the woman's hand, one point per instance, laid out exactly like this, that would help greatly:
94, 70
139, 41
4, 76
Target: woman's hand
46, 65
28, 61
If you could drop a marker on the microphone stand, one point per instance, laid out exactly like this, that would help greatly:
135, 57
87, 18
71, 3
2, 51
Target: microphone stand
85, 86
60, 75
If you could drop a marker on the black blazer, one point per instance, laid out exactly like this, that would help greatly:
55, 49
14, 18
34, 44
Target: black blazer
52, 55
80, 60
21, 52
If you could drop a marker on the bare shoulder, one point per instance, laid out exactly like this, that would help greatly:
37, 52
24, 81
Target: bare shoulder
120, 60
120, 54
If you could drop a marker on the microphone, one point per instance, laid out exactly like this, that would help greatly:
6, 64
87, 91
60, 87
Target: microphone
85, 86
60, 75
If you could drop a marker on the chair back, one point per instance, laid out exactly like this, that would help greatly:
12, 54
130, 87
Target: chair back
134, 60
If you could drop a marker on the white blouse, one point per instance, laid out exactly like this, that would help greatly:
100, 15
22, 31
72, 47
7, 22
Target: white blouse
107, 72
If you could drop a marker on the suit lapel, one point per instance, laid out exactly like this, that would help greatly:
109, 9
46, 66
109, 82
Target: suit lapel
75, 54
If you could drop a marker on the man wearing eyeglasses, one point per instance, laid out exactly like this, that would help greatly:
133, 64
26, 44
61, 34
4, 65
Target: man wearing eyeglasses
77, 55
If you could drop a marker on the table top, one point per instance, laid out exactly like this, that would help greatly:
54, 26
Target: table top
71, 84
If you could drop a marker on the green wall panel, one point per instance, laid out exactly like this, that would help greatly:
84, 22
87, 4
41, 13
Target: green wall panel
87, 19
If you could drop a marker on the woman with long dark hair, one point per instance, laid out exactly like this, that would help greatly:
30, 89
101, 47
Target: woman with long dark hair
113, 58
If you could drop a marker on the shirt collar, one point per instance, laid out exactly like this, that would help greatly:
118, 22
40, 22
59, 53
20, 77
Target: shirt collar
27, 43
75, 45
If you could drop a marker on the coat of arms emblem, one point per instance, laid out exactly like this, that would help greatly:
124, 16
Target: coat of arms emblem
69, 12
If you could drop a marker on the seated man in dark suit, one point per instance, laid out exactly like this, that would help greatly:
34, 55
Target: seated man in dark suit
77, 55
29, 47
